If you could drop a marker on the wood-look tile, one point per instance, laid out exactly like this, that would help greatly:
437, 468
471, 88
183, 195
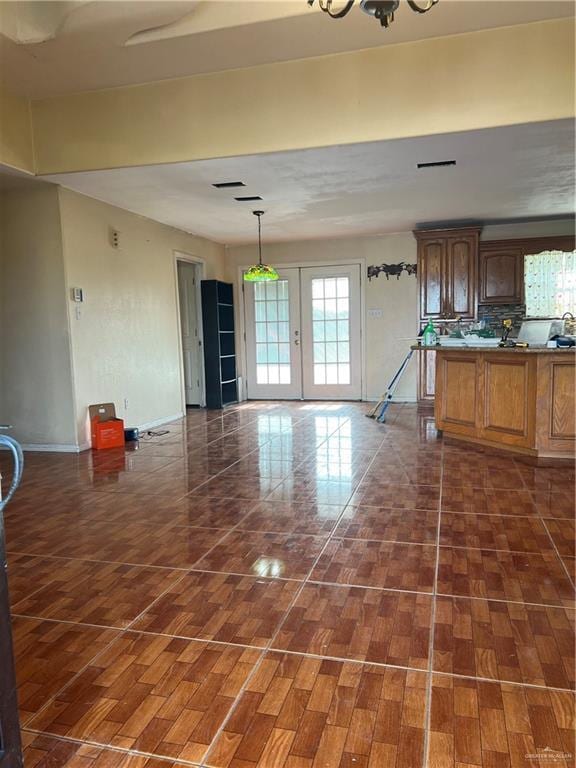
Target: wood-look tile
289, 556
570, 565
29, 573
48, 654
288, 517
150, 693
515, 576
487, 501
50, 752
505, 641
547, 478
301, 712
297, 490
197, 511
416, 526
376, 494
356, 623
237, 487
110, 594
141, 544
480, 724
557, 503
377, 564
223, 607
515, 534
403, 473
563, 536
482, 477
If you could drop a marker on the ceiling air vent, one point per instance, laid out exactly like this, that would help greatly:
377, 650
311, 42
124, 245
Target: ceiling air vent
248, 199
228, 184
439, 164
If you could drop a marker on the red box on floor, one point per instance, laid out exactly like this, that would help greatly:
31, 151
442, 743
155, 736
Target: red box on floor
107, 431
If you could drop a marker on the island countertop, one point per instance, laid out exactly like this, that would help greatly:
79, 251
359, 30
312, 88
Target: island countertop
516, 350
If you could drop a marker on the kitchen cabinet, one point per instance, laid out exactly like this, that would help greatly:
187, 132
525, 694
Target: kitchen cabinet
501, 266
501, 273
447, 278
447, 272
521, 400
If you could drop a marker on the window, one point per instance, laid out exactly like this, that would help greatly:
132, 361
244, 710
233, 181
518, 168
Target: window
550, 283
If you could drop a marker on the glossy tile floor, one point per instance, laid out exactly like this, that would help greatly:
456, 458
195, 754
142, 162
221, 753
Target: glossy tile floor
291, 585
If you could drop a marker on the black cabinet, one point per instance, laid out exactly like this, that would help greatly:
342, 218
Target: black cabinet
219, 343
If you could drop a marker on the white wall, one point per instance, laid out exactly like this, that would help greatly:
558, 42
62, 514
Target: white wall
36, 394
126, 341
385, 348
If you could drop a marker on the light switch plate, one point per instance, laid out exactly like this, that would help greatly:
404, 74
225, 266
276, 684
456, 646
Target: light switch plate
375, 313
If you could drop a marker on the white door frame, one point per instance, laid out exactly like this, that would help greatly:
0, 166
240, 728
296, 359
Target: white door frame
201, 268
241, 320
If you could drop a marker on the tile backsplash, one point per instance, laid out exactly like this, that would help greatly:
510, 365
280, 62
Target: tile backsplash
495, 313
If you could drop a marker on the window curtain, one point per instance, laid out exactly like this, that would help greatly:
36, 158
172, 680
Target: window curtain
550, 283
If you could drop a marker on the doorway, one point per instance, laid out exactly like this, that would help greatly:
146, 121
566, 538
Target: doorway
190, 329
303, 334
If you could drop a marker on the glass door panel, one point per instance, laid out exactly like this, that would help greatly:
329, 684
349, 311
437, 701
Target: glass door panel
272, 314
331, 332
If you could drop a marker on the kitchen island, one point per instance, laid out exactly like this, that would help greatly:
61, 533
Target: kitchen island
517, 399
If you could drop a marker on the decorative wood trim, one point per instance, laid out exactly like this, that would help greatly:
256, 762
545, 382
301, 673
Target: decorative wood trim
423, 234
530, 245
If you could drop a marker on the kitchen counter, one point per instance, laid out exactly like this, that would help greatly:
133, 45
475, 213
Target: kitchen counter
516, 350
517, 399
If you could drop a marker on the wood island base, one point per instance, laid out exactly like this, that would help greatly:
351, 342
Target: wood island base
511, 399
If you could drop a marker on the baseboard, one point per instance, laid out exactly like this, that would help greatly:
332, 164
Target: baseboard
399, 399
160, 422
54, 447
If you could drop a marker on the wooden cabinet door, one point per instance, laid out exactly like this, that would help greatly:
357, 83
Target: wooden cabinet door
431, 277
460, 275
501, 275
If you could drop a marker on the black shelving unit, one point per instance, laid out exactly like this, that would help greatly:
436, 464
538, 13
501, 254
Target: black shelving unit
219, 343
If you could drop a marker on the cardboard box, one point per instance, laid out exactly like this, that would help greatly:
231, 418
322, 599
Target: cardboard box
107, 431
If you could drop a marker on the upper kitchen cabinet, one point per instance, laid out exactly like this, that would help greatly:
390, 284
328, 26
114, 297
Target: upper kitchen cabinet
447, 272
501, 273
501, 266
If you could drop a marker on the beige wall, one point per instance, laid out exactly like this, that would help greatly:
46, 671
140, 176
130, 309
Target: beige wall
481, 79
37, 394
125, 343
385, 347
16, 146
398, 299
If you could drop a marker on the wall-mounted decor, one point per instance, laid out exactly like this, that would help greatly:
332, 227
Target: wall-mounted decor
391, 269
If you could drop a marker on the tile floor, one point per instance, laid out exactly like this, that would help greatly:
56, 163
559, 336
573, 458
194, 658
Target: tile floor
291, 585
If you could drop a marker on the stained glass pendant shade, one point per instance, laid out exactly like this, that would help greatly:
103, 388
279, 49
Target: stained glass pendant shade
260, 272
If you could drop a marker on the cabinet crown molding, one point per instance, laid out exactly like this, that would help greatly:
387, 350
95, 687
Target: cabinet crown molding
421, 234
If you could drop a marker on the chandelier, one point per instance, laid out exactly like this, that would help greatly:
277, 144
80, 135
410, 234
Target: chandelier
383, 10
260, 272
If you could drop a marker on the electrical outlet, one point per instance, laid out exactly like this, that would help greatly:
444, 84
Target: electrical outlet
125, 403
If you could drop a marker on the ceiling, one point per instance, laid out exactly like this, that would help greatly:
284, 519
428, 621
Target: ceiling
83, 45
516, 172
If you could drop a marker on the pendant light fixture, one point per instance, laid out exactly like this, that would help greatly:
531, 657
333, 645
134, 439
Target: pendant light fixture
260, 272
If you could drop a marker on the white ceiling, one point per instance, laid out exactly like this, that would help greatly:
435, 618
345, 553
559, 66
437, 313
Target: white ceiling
85, 45
515, 172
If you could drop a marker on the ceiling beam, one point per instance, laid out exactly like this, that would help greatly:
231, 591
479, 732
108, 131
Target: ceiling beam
489, 78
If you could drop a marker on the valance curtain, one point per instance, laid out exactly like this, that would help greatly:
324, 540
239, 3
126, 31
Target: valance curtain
550, 283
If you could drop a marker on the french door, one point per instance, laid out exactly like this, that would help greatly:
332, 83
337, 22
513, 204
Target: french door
303, 335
